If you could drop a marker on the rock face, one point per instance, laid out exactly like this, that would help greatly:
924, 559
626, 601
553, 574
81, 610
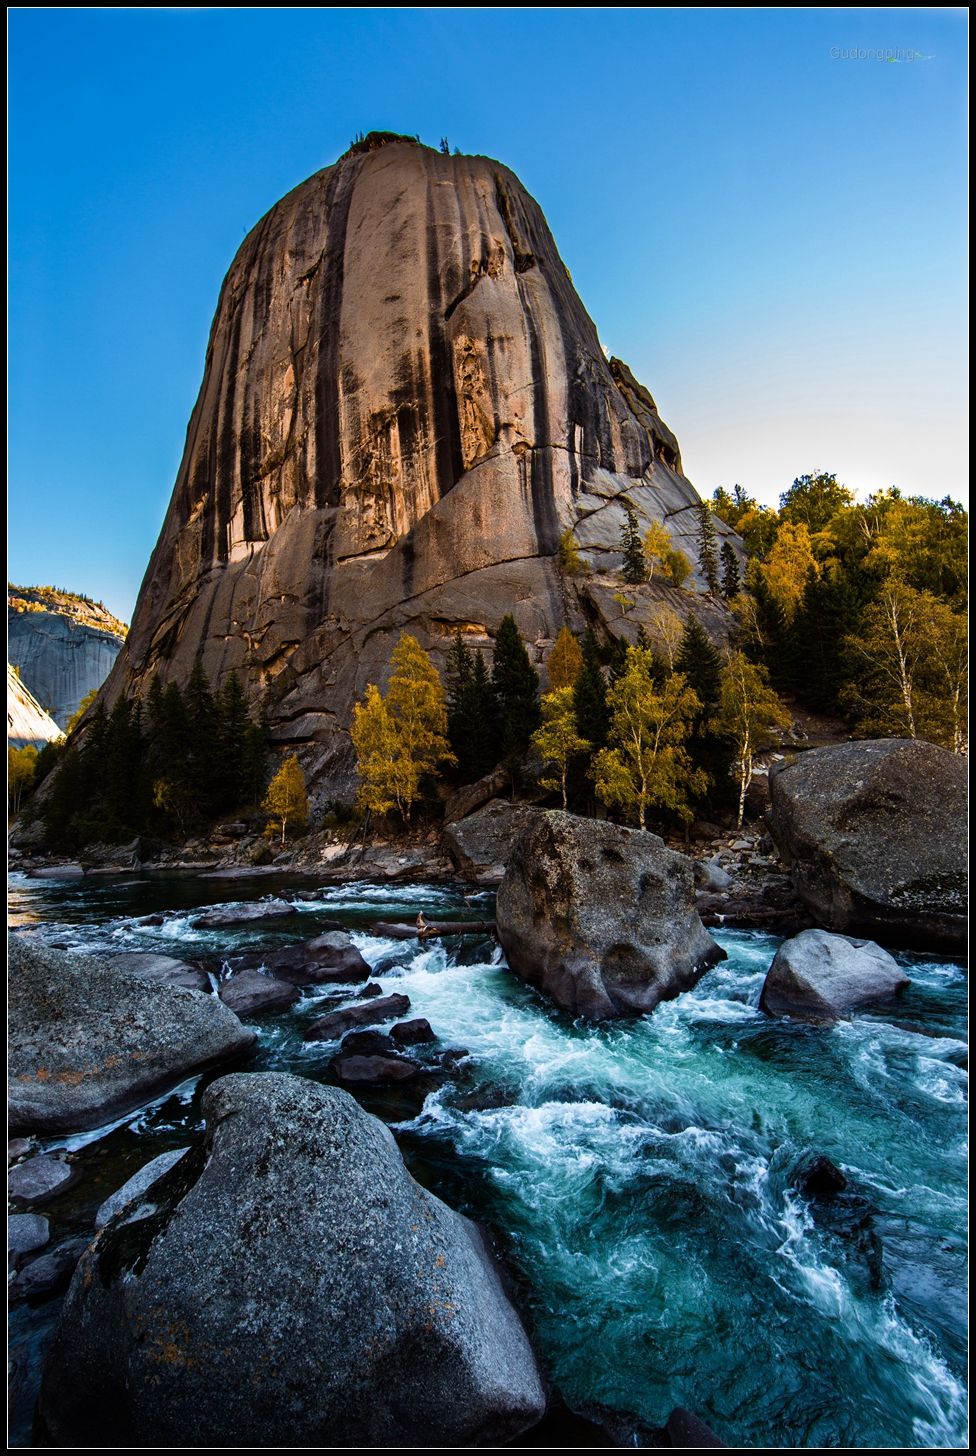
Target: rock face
600, 918
875, 836
404, 405
65, 646
302, 1290
88, 1042
820, 977
28, 724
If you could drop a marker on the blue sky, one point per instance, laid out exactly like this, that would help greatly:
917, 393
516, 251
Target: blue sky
767, 228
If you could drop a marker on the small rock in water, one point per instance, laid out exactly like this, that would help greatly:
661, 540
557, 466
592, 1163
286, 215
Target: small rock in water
412, 1033
357, 1070
17, 1148
249, 914
818, 976
368, 1044
373, 989
337, 1023
817, 1177
137, 1185
45, 1276
249, 993
26, 1233
38, 1180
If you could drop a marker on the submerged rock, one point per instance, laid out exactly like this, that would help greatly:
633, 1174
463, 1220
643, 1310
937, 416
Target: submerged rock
304, 1291
357, 1070
819, 977
26, 1233
601, 918
88, 1042
875, 835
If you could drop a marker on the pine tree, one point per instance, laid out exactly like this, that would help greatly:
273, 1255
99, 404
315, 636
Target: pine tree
699, 662
646, 764
707, 553
731, 575
590, 695
634, 567
470, 712
556, 740
565, 661
515, 683
286, 799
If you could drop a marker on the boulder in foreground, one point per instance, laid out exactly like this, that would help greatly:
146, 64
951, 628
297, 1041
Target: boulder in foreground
89, 1042
601, 918
874, 834
817, 976
302, 1291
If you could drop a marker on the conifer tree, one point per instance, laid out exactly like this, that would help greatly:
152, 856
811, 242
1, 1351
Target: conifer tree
565, 661
699, 661
470, 712
590, 695
515, 683
707, 553
731, 575
634, 567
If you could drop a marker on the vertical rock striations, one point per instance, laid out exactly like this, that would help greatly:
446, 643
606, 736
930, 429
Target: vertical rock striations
404, 404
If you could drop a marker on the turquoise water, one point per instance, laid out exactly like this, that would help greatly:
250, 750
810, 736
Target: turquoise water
638, 1173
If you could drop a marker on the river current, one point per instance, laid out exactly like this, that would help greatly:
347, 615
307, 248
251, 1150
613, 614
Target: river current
638, 1174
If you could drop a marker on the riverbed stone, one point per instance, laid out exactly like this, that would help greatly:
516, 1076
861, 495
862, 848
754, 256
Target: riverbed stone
88, 1042
140, 1183
45, 1276
246, 914
372, 1071
303, 1291
251, 993
600, 918
817, 976
875, 836
412, 1033
39, 1180
371, 1012
26, 1233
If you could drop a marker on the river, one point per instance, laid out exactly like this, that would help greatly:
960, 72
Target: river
637, 1173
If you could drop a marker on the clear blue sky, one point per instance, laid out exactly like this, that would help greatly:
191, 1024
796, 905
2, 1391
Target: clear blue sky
772, 236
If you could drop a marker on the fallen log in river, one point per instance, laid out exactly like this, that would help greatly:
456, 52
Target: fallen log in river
427, 931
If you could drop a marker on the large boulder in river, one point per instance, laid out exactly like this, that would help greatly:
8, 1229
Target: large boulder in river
293, 1287
481, 844
88, 1042
601, 918
874, 834
817, 976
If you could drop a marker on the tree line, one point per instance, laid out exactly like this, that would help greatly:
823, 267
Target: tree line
626, 726
167, 767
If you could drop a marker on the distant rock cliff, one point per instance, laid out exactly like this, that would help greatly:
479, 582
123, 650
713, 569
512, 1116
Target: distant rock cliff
64, 645
404, 405
27, 722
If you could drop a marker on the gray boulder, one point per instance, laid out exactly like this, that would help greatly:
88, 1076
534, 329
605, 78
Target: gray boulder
39, 1180
480, 845
45, 1276
818, 976
87, 1042
600, 918
374, 1010
874, 834
162, 970
140, 1183
26, 1233
250, 993
303, 1291
248, 914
